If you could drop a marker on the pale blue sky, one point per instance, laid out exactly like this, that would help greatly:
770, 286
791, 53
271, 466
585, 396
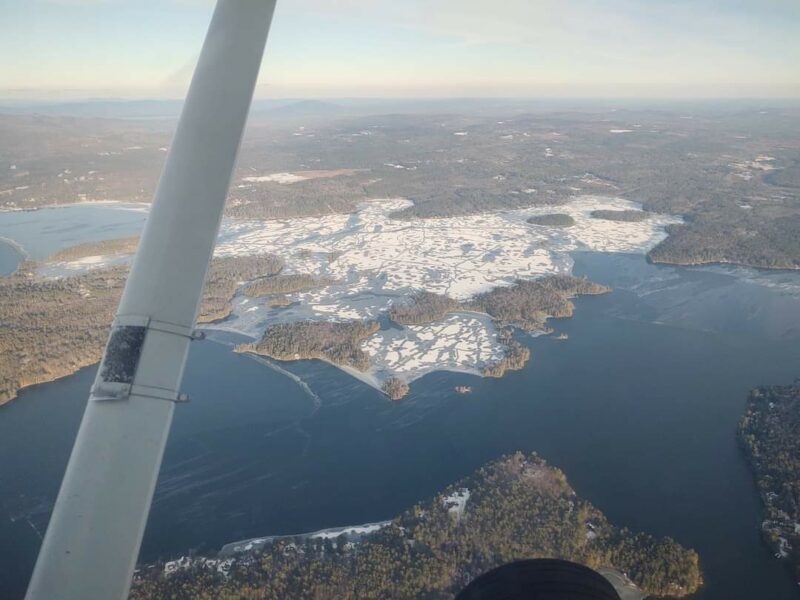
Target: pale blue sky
418, 48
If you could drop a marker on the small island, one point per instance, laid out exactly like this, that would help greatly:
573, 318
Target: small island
111, 247
552, 220
512, 508
769, 434
395, 388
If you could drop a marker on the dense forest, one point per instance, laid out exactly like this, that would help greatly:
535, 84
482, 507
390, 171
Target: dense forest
552, 220
774, 245
284, 284
769, 432
224, 277
50, 328
339, 343
422, 308
513, 508
528, 304
628, 216
515, 355
515, 358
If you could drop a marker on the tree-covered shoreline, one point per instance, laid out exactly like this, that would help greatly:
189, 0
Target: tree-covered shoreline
526, 305
769, 433
512, 508
51, 328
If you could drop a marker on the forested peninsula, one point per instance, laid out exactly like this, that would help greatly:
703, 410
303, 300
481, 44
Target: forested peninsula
527, 305
512, 508
769, 433
339, 343
51, 328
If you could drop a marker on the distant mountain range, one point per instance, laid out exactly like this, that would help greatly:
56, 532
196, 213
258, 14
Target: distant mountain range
166, 109
291, 108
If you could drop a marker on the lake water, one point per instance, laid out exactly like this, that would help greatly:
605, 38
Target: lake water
639, 408
10, 257
46, 231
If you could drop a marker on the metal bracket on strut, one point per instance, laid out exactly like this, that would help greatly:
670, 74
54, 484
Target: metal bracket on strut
109, 391
155, 325
118, 369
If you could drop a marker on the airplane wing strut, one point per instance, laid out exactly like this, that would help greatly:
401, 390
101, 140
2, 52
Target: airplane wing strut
92, 541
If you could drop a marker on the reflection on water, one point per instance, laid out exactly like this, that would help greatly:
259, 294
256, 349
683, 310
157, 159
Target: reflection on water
639, 407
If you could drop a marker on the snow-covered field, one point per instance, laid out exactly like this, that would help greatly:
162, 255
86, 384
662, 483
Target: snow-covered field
276, 177
457, 256
376, 261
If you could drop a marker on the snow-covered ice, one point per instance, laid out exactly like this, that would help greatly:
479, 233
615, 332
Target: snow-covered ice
460, 342
375, 261
380, 260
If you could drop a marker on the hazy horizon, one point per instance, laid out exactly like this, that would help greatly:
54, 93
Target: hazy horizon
79, 49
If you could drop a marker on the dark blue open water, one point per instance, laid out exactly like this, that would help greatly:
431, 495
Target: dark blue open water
639, 408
